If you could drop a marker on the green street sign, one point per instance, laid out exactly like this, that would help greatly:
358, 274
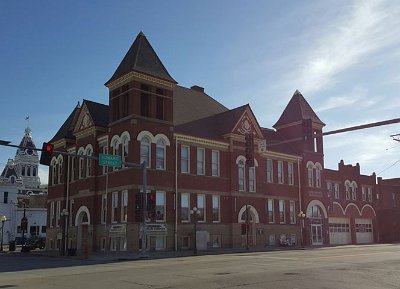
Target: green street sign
106, 160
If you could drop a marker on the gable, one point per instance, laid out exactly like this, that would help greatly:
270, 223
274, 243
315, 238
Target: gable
85, 120
246, 124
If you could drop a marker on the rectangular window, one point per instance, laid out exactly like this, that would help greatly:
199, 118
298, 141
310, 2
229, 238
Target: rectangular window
269, 171
124, 206
58, 214
160, 206
125, 104
280, 172
71, 213
252, 179
115, 108
241, 177
282, 218
201, 206
51, 214
145, 104
370, 195
363, 194
270, 209
290, 174
185, 159
185, 210
160, 107
160, 156
292, 212
114, 217
43, 229
5, 199
200, 161
215, 164
103, 208
216, 214
336, 190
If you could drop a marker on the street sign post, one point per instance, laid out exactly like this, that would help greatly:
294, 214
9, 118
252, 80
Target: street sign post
106, 160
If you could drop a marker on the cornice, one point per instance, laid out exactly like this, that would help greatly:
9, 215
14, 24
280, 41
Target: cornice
203, 141
134, 74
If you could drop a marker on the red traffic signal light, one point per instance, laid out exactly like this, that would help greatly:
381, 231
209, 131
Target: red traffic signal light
47, 153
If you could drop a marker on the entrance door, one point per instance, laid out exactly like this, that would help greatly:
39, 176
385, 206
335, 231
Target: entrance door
316, 234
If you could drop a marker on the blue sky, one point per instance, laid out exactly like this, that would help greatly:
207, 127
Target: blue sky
342, 55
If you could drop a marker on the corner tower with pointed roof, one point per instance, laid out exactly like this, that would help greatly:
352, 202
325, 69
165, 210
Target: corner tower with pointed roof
141, 87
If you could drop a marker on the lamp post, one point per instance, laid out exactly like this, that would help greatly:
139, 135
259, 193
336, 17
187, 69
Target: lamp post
302, 216
195, 212
2, 219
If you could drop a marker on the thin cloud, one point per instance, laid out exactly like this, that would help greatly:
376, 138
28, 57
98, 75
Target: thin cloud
366, 29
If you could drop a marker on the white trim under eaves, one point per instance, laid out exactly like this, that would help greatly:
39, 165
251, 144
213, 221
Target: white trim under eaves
202, 141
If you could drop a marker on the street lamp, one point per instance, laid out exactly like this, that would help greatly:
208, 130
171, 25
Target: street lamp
195, 212
302, 216
2, 219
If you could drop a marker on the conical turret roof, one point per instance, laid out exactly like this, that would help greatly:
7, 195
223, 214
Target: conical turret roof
142, 58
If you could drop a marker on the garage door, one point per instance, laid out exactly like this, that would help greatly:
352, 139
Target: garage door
339, 231
364, 231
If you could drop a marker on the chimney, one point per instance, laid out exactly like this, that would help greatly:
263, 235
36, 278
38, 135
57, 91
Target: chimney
198, 88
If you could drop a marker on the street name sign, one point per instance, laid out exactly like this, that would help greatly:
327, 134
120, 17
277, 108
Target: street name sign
106, 160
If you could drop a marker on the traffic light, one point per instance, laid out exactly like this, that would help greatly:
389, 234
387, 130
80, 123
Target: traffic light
249, 148
138, 207
151, 205
47, 152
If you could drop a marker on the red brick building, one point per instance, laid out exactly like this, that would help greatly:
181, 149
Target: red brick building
389, 210
198, 155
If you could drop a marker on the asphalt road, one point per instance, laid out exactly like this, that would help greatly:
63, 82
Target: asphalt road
366, 267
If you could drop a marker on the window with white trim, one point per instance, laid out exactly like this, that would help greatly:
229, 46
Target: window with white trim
105, 151
282, 215
81, 166
241, 177
290, 174
200, 161
58, 213
369, 194
160, 206
185, 207
114, 216
60, 170
310, 175
269, 171
185, 168
318, 176
124, 206
336, 190
270, 210
280, 172
330, 188
125, 149
363, 194
292, 210
52, 215
201, 206
215, 163
103, 208
252, 179
145, 151
115, 149
89, 152
216, 213
160, 154
354, 191
347, 185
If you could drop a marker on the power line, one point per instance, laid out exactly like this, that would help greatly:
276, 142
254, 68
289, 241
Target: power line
389, 167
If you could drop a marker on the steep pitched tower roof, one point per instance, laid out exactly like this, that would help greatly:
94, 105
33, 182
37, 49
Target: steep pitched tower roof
141, 58
297, 110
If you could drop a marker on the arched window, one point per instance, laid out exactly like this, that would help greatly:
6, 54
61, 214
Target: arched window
53, 176
60, 169
35, 171
89, 152
28, 173
125, 148
354, 191
145, 150
310, 174
316, 212
241, 165
160, 155
348, 188
115, 144
81, 165
318, 169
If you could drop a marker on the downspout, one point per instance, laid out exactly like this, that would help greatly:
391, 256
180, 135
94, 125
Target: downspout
176, 195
